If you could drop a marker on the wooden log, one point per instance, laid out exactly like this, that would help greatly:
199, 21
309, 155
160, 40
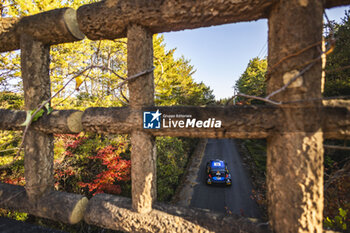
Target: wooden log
113, 120
116, 213
50, 27
38, 147
110, 19
59, 206
295, 149
336, 119
335, 3
59, 122
143, 150
237, 121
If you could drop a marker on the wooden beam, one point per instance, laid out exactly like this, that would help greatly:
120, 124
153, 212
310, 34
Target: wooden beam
295, 149
50, 27
237, 122
336, 119
110, 19
116, 213
37, 146
143, 150
59, 206
59, 122
335, 3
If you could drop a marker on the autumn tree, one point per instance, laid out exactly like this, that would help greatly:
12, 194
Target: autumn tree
100, 86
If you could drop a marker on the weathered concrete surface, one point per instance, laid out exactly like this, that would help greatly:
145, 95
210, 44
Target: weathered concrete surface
116, 213
294, 157
143, 151
38, 147
109, 19
237, 121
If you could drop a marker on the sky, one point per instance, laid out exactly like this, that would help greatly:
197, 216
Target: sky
220, 54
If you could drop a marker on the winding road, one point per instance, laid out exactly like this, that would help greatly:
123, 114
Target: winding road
235, 198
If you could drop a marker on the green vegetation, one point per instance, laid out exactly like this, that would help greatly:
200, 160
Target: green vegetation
252, 81
92, 163
337, 162
337, 66
339, 221
172, 158
257, 149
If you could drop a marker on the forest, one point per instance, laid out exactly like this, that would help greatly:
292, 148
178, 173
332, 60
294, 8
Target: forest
336, 160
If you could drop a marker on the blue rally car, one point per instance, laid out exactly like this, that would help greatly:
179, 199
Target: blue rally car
217, 173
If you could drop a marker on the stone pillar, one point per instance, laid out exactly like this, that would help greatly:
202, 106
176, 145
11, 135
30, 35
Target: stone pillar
38, 147
295, 154
141, 91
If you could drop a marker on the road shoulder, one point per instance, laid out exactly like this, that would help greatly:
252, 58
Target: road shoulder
184, 192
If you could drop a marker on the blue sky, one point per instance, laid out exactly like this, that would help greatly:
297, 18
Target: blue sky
220, 54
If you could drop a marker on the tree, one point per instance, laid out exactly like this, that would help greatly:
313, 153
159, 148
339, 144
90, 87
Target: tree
338, 78
173, 77
174, 85
252, 81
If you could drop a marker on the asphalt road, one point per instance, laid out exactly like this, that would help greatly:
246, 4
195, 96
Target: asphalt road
235, 198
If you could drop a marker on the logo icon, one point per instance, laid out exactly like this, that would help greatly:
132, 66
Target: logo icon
151, 120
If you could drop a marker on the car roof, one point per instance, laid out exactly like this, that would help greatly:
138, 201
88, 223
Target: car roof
217, 160
217, 163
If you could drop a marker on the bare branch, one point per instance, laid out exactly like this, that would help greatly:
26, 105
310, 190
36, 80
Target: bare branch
31, 119
108, 69
290, 81
11, 149
259, 98
133, 77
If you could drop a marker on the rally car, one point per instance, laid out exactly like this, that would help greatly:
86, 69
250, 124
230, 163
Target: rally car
217, 173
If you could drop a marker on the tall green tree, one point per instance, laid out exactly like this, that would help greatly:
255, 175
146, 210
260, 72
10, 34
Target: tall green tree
252, 81
174, 84
337, 76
